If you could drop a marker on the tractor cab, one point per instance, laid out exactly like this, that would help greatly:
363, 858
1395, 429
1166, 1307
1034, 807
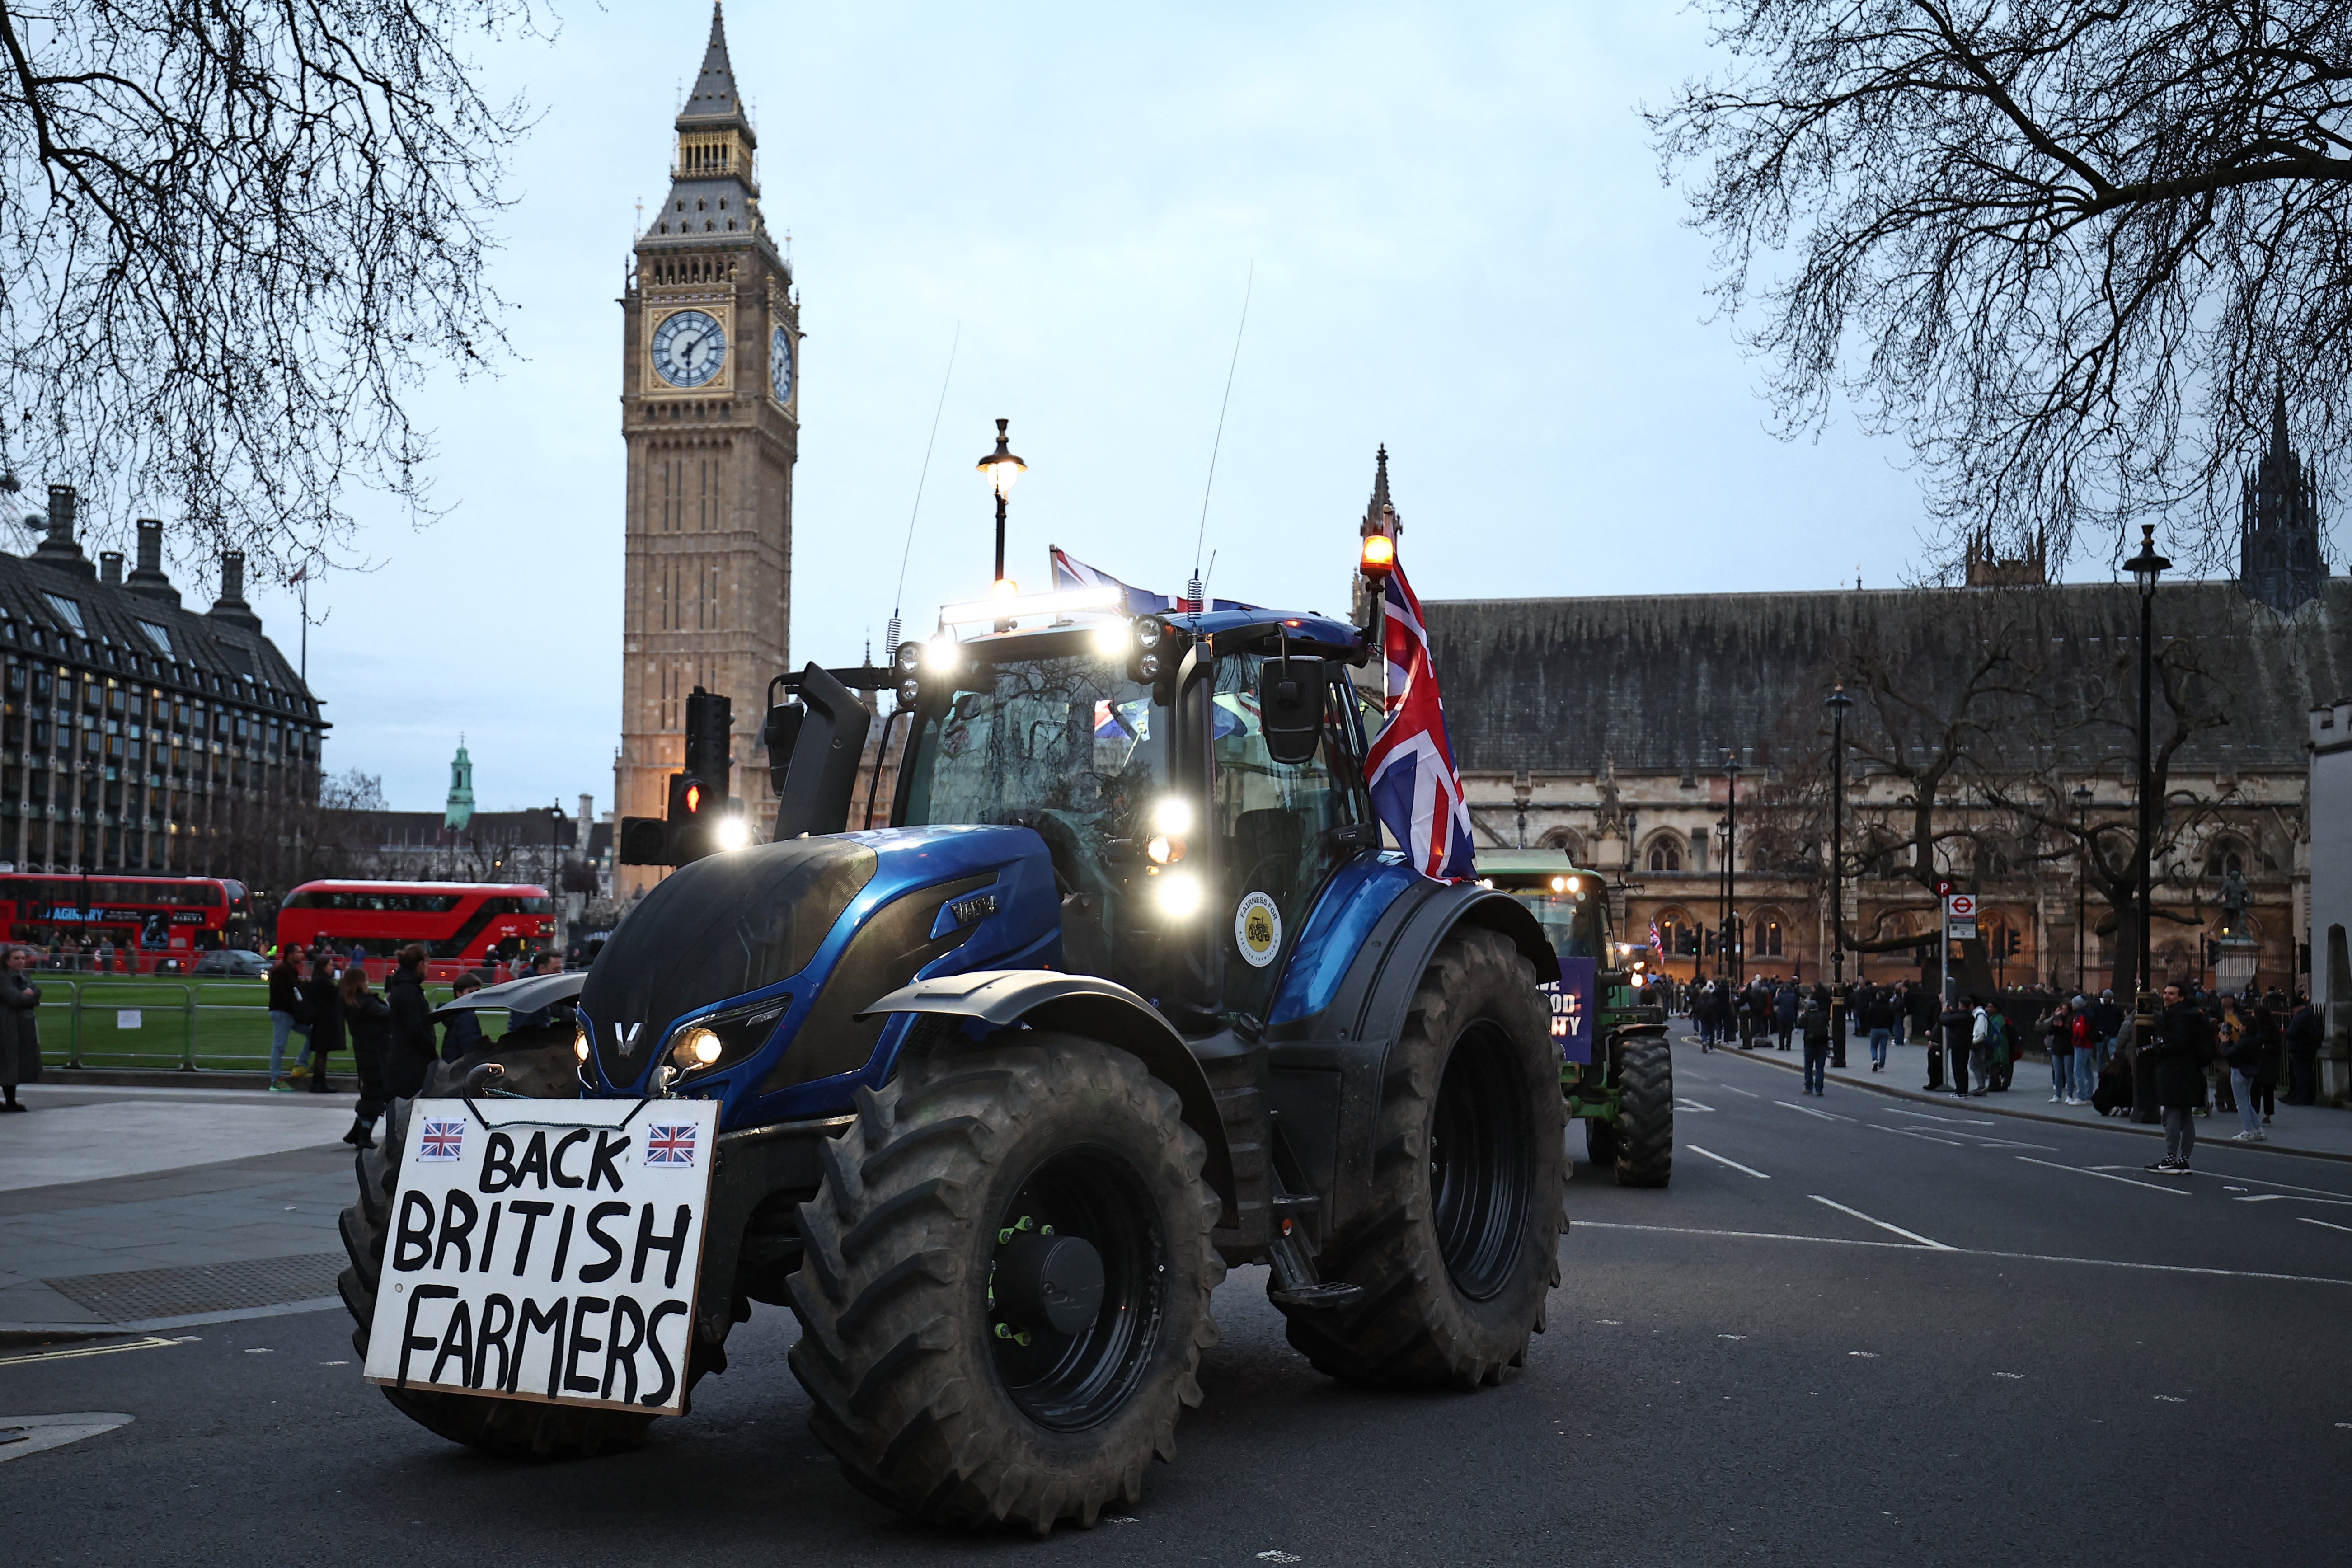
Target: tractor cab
1196, 778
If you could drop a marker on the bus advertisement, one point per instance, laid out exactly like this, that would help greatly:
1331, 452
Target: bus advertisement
470, 922
150, 919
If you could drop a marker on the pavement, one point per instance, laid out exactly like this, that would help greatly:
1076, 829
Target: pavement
1857, 1328
2314, 1130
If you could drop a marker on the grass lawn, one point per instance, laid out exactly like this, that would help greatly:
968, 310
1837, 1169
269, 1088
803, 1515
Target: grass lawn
131, 1022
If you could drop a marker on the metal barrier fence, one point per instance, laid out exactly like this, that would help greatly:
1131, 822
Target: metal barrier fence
162, 1025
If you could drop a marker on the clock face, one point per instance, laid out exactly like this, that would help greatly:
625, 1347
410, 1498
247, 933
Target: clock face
779, 365
689, 348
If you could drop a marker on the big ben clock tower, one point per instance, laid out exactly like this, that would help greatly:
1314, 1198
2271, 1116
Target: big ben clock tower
710, 408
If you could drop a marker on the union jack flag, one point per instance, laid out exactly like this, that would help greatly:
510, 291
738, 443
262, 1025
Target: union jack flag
1657, 943
670, 1145
441, 1141
1415, 786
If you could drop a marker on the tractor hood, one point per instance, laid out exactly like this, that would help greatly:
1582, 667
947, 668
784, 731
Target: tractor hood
777, 948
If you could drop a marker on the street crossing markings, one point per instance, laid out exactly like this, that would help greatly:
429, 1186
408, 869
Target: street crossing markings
1914, 1132
1824, 1115
1584, 1225
2323, 1224
1721, 1161
1898, 1230
2085, 1170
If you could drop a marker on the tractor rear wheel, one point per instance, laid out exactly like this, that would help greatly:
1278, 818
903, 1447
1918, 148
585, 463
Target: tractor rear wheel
1460, 1245
1646, 1112
513, 1427
1004, 1293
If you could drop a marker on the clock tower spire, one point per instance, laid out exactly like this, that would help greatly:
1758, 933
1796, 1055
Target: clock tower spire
710, 414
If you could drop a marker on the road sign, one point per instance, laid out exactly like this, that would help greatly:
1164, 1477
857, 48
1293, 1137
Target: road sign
1963, 931
1943, 889
1960, 906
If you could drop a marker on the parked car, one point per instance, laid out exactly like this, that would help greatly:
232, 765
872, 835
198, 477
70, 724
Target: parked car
232, 961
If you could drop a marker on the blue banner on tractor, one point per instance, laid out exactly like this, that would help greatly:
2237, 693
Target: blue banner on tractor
1571, 1009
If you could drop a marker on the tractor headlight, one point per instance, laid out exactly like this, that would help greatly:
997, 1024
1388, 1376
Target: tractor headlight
1171, 815
1147, 634
698, 1047
909, 691
580, 1043
1148, 666
1111, 638
732, 833
940, 655
1179, 894
1163, 849
910, 657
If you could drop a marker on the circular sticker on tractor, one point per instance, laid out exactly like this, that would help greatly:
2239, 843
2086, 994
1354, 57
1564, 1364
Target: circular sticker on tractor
1257, 930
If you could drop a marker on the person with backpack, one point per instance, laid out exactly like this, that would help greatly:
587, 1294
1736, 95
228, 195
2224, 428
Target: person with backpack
1813, 1021
2181, 1050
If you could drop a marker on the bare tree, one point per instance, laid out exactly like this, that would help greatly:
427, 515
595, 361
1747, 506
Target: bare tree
234, 235
2068, 251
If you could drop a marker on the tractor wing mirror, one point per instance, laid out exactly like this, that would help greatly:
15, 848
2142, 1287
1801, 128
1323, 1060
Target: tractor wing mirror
813, 795
1290, 708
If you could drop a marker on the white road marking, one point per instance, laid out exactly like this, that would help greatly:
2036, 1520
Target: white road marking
1867, 1355
1739, 1091
2014, 1376
1973, 1121
1721, 1161
1969, 1252
151, 1342
1914, 1132
1277, 1557
1731, 1336
2306, 1220
1824, 1115
2250, 1180
2085, 1170
1984, 1143
1683, 1102
2293, 1198
1898, 1230
2171, 1399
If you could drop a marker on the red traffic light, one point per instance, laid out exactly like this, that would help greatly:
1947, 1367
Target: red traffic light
693, 799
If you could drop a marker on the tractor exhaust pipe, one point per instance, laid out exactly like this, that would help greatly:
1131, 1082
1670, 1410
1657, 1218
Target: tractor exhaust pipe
819, 756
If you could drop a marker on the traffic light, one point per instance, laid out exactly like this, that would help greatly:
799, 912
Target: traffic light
2009, 945
701, 819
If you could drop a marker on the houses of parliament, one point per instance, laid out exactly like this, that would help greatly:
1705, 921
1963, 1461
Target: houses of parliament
709, 411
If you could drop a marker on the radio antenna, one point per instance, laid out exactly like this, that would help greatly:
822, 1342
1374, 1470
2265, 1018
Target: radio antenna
898, 594
1201, 536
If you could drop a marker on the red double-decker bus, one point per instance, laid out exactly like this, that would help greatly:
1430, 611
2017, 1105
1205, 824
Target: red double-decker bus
466, 922
154, 919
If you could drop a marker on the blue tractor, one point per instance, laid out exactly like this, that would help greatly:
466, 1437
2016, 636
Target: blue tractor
1128, 993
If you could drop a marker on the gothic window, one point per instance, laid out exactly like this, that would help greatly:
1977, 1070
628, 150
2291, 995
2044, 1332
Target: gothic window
1676, 933
1665, 852
701, 206
1768, 933
2224, 855
1566, 841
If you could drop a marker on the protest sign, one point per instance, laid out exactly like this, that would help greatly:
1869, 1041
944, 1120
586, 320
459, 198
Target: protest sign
546, 1249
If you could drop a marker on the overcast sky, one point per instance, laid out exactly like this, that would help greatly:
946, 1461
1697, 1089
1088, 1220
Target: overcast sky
1461, 248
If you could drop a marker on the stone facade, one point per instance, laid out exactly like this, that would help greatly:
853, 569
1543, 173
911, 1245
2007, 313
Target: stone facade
709, 410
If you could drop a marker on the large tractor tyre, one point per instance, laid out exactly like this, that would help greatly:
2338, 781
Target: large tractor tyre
1646, 1112
1004, 1294
508, 1426
1460, 1241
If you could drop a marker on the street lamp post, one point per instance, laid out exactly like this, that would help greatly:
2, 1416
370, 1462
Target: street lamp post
1837, 702
1001, 468
1731, 870
2081, 878
2145, 568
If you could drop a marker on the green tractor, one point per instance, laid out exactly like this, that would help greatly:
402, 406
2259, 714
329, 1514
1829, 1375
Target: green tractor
1615, 1070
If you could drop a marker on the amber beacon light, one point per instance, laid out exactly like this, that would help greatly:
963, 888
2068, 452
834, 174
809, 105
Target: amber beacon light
1380, 555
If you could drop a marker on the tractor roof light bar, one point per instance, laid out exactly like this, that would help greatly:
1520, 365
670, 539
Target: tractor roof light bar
1061, 605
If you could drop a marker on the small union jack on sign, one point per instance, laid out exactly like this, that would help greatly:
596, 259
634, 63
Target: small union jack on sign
441, 1141
670, 1145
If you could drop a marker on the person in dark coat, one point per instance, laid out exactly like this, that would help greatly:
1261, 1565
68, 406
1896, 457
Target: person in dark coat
408, 1047
20, 1032
1784, 1014
1813, 1022
368, 1019
1958, 1025
326, 1001
461, 1032
2304, 1032
289, 1014
2182, 1050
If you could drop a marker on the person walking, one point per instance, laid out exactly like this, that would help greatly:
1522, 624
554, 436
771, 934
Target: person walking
2180, 1050
409, 1046
2242, 1049
20, 1031
1784, 1014
1880, 1017
2058, 1045
461, 1031
1813, 1022
2303, 1033
289, 1014
326, 1020
2087, 1055
368, 1019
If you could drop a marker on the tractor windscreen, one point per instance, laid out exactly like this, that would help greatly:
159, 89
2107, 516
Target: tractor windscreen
1565, 907
1066, 746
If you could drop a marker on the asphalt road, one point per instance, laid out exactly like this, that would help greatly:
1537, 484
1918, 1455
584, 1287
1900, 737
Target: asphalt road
1856, 1329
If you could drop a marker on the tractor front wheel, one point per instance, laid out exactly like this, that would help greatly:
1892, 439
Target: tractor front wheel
1645, 1133
1004, 1294
1460, 1245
